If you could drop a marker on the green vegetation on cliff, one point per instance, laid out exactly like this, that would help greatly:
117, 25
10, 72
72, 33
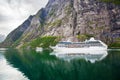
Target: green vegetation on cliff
55, 23
114, 45
112, 1
83, 37
43, 42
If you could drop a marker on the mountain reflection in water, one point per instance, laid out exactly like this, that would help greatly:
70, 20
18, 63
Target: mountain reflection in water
43, 66
91, 56
7, 72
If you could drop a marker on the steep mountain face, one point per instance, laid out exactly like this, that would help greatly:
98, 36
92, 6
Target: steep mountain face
2, 37
87, 17
17, 33
71, 19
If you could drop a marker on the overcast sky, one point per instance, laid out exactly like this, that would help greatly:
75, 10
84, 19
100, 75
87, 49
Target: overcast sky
14, 12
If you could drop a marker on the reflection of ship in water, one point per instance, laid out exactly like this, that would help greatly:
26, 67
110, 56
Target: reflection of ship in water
91, 56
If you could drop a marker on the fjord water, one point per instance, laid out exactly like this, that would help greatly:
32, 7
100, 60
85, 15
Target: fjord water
31, 65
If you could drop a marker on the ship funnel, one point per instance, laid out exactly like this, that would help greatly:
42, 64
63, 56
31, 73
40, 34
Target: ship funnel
92, 39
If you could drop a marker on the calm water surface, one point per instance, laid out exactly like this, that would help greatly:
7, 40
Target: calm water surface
31, 65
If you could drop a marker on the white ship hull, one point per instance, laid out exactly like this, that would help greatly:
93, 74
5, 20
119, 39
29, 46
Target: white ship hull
78, 50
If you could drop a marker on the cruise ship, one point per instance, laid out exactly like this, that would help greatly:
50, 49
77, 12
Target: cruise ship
79, 47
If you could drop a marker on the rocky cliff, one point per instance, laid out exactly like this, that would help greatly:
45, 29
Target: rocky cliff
16, 34
70, 19
2, 37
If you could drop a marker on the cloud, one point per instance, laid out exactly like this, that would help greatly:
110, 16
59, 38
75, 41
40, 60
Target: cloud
3, 17
14, 12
